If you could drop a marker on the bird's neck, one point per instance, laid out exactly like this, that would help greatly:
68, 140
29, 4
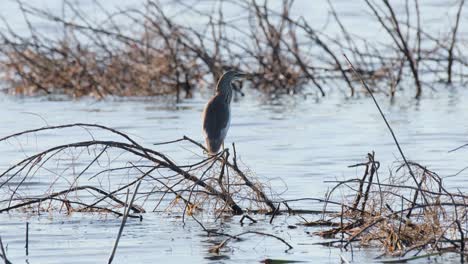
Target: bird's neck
224, 89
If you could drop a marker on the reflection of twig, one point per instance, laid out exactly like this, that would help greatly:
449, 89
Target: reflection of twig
216, 248
452, 43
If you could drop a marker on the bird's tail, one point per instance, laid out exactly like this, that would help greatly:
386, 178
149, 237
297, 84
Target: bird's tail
213, 146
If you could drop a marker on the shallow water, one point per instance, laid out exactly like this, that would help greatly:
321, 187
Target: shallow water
295, 143
302, 141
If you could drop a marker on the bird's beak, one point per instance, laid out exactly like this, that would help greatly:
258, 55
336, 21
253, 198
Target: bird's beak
236, 89
241, 75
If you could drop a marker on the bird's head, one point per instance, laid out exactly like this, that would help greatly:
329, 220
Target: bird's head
224, 82
232, 75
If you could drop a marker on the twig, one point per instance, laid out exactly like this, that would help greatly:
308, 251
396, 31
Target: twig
386, 123
27, 238
3, 252
124, 220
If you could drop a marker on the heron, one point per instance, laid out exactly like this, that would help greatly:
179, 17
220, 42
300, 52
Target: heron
217, 113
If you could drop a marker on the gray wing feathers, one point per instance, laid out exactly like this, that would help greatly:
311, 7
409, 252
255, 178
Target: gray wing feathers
215, 120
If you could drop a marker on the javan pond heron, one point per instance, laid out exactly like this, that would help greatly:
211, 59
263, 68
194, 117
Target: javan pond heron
217, 113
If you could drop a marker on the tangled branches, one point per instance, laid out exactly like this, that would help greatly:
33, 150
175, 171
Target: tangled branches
146, 51
399, 215
100, 172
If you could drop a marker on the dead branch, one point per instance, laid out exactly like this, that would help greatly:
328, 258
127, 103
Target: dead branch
200, 185
161, 56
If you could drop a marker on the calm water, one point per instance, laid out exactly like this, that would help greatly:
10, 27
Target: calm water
295, 143
301, 141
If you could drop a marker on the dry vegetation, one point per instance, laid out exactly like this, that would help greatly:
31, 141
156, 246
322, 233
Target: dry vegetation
100, 174
151, 53
212, 185
408, 213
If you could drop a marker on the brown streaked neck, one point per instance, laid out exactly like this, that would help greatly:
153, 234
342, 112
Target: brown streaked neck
224, 88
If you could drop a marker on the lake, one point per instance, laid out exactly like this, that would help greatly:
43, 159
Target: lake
294, 143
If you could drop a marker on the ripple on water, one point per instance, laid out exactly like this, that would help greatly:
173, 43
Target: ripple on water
292, 143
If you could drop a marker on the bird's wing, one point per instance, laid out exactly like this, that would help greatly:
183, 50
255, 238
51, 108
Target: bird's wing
216, 118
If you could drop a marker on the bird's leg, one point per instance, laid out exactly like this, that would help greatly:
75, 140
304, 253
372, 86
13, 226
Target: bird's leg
223, 145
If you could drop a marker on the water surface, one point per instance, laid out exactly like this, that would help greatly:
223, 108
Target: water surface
294, 143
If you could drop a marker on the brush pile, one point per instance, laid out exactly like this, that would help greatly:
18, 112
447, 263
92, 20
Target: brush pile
94, 176
408, 213
148, 51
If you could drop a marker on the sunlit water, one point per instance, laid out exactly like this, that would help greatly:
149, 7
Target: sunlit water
295, 143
